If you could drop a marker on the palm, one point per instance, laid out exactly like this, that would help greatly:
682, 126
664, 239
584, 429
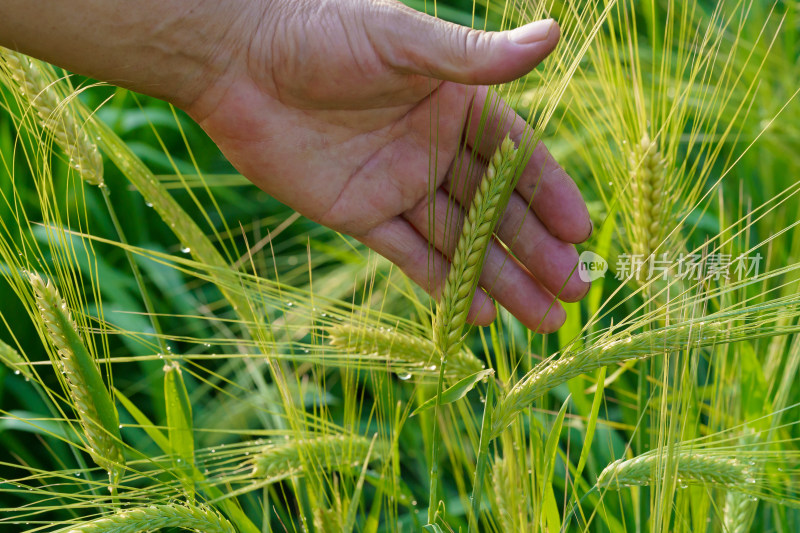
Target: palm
361, 153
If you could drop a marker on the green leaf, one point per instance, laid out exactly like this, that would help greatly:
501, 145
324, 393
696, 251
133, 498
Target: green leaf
590, 428
35, 423
551, 513
456, 392
432, 527
483, 459
152, 431
602, 247
552, 442
179, 419
551, 447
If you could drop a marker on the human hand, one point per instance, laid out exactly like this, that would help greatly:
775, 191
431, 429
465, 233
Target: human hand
352, 112
338, 108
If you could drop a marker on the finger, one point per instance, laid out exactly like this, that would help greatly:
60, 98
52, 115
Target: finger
553, 195
552, 261
416, 43
503, 277
399, 242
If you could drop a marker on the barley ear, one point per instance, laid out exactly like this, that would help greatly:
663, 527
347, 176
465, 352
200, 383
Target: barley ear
13, 360
648, 171
551, 373
699, 467
409, 353
86, 388
155, 517
504, 480
740, 507
470, 253
37, 85
329, 452
738, 511
327, 521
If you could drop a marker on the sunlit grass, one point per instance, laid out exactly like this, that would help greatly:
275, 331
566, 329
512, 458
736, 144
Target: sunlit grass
284, 377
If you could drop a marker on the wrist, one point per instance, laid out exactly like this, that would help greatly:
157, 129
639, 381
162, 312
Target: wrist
172, 50
199, 46
179, 49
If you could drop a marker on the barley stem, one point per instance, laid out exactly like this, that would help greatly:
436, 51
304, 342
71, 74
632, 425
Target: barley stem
482, 460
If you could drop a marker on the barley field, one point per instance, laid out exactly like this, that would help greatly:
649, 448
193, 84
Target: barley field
182, 352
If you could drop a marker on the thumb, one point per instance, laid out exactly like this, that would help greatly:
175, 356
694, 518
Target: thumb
416, 43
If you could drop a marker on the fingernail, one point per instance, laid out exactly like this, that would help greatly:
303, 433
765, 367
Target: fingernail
591, 228
533, 32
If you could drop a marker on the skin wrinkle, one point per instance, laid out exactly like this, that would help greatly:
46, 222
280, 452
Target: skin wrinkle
414, 60
287, 53
418, 86
472, 43
331, 213
219, 64
274, 67
357, 49
378, 37
212, 64
304, 89
408, 194
272, 28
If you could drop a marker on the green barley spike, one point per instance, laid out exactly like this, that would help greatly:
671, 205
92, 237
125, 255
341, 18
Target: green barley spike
329, 452
471, 250
156, 517
648, 174
551, 373
696, 468
85, 385
739, 506
412, 354
36, 85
